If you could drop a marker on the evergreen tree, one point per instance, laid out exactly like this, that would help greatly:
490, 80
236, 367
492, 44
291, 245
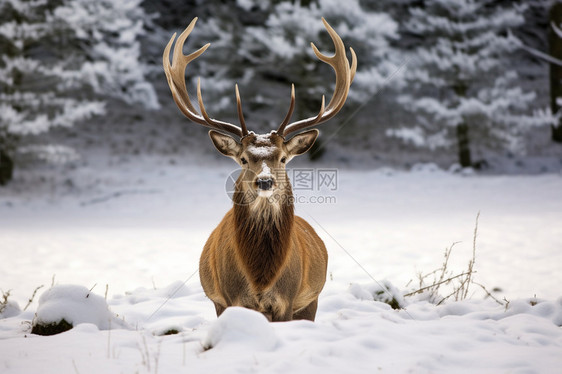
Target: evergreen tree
283, 46
462, 85
60, 59
267, 47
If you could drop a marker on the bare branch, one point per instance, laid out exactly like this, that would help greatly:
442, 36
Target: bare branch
556, 30
489, 294
543, 56
32, 297
435, 284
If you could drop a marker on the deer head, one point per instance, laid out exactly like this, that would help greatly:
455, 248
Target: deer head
261, 157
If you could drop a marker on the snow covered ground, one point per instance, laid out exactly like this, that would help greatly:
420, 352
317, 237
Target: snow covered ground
139, 228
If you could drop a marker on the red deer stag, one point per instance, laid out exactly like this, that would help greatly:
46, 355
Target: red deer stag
261, 256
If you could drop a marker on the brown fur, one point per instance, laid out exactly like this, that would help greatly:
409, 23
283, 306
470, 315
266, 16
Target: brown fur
263, 257
263, 240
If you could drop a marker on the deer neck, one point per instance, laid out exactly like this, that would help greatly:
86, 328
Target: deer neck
263, 230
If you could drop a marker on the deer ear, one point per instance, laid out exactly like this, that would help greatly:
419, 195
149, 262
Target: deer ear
225, 144
301, 143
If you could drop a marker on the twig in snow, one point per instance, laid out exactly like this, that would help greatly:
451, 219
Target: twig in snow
32, 297
88, 294
506, 303
145, 354
75, 367
434, 285
471, 263
4, 302
489, 294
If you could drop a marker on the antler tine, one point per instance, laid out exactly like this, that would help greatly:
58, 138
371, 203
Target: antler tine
175, 74
344, 77
207, 118
179, 94
321, 112
240, 113
285, 122
353, 65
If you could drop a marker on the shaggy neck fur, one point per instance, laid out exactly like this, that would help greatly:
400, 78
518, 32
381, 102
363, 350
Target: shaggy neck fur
263, 230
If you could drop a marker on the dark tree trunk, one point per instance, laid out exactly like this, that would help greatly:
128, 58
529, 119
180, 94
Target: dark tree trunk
464, 145
555, 49
6, 168
557, 133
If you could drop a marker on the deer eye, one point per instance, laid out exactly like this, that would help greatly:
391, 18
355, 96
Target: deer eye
243, 161
284, 159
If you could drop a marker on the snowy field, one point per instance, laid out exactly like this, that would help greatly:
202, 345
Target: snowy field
138, 230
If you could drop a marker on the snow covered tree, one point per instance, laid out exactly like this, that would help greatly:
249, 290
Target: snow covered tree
268, 48
461, 84
555, 46
60, 59
282, 47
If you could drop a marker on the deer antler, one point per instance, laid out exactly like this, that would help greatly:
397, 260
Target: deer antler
175, 73
344, 77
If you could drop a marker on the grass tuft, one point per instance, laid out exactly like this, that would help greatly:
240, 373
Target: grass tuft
47, 329
171, 331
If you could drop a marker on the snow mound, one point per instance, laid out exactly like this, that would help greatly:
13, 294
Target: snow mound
75, 305
384, 292
238, 327
9, 309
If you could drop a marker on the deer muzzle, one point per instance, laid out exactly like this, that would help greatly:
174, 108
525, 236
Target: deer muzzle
265, 184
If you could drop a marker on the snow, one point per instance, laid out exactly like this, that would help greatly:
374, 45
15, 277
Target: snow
241, 328
9, 309
56, 154
351, 335
265, 171
260, 151
76, 305
140, 228
261, 147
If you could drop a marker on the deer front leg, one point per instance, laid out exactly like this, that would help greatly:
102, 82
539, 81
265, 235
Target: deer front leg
309, 312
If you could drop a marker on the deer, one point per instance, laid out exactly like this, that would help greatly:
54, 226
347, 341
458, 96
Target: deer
261, 256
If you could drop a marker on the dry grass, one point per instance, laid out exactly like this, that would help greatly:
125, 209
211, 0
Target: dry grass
443, 281
4, 302
32, 297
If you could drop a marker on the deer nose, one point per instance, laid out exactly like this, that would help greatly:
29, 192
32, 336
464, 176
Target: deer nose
265, 183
